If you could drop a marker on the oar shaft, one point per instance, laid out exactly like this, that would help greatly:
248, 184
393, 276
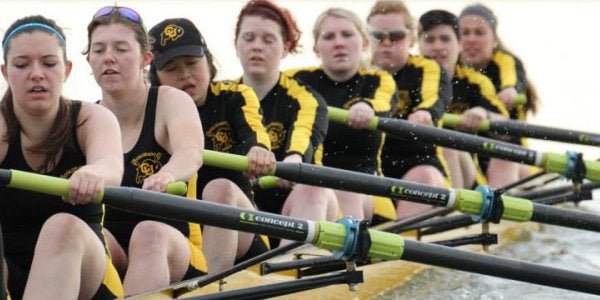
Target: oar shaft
565, 217
500, 267
521, 129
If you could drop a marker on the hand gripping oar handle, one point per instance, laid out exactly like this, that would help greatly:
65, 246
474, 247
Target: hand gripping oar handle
328, 235
60, 186
517, 128
551, 162
466, 201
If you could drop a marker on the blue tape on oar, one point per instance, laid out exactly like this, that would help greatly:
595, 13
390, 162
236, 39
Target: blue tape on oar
575, 168
351, 240
487, 205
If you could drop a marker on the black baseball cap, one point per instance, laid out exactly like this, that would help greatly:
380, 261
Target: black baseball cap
175, 37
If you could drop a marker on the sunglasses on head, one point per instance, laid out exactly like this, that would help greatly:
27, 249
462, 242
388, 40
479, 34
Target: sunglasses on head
392, 35
126, 12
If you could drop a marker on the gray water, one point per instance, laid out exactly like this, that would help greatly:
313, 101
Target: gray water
559, 247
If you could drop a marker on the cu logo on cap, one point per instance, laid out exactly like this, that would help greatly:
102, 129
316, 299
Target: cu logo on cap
171, 33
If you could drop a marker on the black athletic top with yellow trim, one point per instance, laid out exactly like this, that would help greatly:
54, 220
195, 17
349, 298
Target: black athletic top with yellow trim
506, 70
232, 123
471, 89
143, 160
23, 213
344, 147
295, 118
422, 85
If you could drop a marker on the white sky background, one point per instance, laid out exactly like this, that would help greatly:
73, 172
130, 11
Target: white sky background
557, 41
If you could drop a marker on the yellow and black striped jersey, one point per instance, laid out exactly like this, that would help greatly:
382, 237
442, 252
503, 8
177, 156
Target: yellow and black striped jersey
506, 70
232, 122
344, 147
470, 89
295, 118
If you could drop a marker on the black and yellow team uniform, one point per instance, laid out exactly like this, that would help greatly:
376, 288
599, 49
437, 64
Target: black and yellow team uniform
470, 89
23, 213
296, 120
145, 159
232, 123
422, 85
506, 70
344, 147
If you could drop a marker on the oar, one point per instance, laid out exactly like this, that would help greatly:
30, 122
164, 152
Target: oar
341, 237
552, 162
521, 129
466, 201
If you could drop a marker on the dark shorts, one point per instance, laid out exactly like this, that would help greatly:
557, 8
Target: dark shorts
398, 166
260, 245
270, 200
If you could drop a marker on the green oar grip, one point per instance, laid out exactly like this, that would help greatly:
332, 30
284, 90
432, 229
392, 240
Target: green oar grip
557, 163
515, 209
60, 187
453, 120
520, 99
384, 245
341, 116
227, 161
267, 182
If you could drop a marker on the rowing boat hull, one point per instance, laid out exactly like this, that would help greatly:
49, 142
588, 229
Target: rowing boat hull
378, 278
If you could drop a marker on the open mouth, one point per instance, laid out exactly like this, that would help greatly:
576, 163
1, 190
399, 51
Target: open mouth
256, 59
109, 72
38, 89
189, 89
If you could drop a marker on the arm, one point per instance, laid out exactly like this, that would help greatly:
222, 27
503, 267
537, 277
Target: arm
99, 137
380, 100
435, 94
179, 130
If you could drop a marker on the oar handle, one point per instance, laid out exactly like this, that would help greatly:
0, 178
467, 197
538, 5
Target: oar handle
266, 182
341, 116
226, 161
520, 99
60, 187
453, 120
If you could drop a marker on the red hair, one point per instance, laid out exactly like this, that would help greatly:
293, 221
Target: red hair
270, 11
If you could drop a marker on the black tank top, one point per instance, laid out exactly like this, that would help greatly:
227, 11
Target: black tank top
23, 213
142, 161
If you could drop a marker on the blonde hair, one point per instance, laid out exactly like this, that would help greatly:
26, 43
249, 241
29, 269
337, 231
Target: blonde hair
343, 14
382, 7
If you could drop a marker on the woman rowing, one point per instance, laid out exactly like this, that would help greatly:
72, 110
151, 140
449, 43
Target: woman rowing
473, 96
43, 132
340, 41
424, 94
231, 118
294, 116
162, 143
483, 50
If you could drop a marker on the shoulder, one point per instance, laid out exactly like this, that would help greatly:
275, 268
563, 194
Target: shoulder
93, 111
384, 77
425, 63
301, 71
173, 98
501, 57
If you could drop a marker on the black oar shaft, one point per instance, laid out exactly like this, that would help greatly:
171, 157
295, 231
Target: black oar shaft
500, 267
458, 140
565, 217
178, 208
362, 183
515, 128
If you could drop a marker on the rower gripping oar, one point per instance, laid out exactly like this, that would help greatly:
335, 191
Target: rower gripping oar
348, 237
483, 203
571, 165
517, 128
56, 186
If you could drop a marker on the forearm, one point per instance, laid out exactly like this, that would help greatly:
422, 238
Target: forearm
183, 164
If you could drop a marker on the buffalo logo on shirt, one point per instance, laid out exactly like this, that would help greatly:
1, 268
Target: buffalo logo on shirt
403, 104
171, 33
221, 136
146, 164
276, 133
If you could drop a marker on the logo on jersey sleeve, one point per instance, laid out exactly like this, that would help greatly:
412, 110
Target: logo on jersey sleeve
276, 133
146, 164
221, 136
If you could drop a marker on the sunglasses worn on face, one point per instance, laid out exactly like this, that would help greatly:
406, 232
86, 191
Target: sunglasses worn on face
393, 35
126, 12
